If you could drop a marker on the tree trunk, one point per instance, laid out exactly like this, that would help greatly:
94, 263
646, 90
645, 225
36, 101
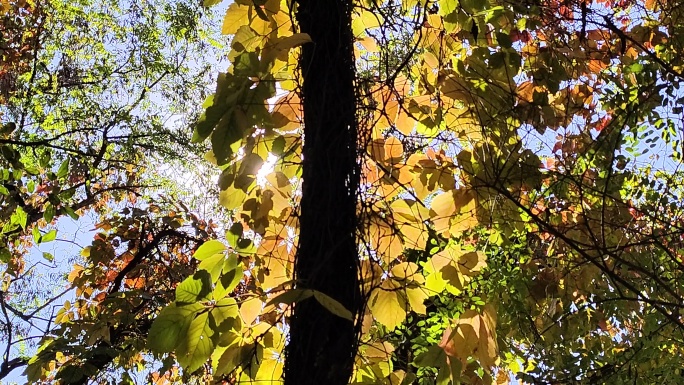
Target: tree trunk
322, 345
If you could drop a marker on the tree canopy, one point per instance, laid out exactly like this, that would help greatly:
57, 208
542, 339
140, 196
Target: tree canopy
465, 191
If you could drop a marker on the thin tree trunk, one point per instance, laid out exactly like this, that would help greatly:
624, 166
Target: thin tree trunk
322, 345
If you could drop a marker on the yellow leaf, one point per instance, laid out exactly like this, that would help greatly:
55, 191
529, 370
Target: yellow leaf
270, 372
365, 20
250, 310
431, 60
232, 198
450, 255
455, 280
404, 123
435, 283
279, 200
443, 270
405, 271
369, 44
397, 377
371, 273
377, 150
289, 42
472, 263
287, 113
416, 297
387, 306
333, 306
465, 219
408, 210
415, 235
236, 16
276, 266
502, 378
384, 240
443, 205
380, 350
454, 88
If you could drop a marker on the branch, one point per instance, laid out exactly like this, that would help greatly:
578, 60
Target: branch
144, 252
8, 366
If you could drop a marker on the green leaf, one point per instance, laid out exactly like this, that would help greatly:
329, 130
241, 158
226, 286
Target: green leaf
63, 169
245, 246
333, 305
31, 186
49, 213
70, 374
213, 265
197, 344
5, 255
19, 217
635, 67
194, 288
170, 327
250, 364
247, 356
224, 314
455, 367
229, 280
433, 357
234, 234
228, 131
209, 249
278, 146
49, 236
71, 213
49, 257
3, 190
447, 7
216, 109
231, 277
36, 234
45, 159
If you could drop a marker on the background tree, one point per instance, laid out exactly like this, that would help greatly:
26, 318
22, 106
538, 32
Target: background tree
97, 99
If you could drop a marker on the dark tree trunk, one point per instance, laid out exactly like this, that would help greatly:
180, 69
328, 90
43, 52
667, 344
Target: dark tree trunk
322, 345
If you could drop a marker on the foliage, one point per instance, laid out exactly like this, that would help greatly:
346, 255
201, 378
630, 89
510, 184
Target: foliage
82, 131
519, 205
502, 165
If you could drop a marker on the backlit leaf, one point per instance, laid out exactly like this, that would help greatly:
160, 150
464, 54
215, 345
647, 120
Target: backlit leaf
332, 305
170, 327
194, 288
291, 296
223, 314
209, 249
196, 345
387, 305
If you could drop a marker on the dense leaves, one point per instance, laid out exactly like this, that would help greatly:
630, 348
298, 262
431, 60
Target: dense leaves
519, 205
503, 166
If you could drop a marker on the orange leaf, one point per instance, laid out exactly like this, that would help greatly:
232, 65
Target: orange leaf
394, 150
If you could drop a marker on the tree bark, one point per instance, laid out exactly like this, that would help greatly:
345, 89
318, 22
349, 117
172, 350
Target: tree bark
322, 346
